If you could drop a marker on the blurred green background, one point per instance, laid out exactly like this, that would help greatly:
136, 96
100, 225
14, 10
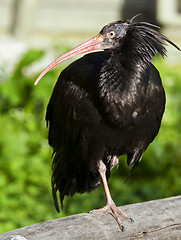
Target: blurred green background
25, 157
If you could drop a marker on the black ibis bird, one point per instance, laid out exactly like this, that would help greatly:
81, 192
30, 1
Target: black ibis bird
105, 104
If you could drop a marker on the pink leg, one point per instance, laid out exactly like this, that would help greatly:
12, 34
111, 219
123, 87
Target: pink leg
110, 207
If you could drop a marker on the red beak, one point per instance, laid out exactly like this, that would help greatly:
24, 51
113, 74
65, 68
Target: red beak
90, 45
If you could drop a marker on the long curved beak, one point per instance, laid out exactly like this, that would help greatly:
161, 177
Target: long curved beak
90, 45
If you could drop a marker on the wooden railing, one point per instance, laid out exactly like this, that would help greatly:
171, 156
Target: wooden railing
159, 219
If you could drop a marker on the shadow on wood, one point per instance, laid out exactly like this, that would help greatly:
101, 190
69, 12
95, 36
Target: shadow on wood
159, 219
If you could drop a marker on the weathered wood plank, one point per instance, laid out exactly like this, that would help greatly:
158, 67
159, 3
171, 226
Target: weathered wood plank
5, 15
76, 15
33, 18
160, 219
24, 18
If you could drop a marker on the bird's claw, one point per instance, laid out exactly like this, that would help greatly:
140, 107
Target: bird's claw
115, 212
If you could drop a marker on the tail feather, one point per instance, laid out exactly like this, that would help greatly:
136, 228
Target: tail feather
70, 177
133, 158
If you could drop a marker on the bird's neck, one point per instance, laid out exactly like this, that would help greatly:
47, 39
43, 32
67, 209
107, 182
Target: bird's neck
119, 76
120, 86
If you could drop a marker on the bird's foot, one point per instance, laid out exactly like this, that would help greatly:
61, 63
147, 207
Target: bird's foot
115, 212
115, 162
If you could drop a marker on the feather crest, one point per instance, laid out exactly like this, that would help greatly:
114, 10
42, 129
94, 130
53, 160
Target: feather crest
144, 42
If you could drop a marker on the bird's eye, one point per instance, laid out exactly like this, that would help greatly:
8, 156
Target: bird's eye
111, 34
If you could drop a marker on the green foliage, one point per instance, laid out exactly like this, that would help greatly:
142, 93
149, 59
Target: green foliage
25, 165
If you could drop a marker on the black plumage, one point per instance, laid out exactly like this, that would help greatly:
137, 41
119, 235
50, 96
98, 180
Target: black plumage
104, 105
